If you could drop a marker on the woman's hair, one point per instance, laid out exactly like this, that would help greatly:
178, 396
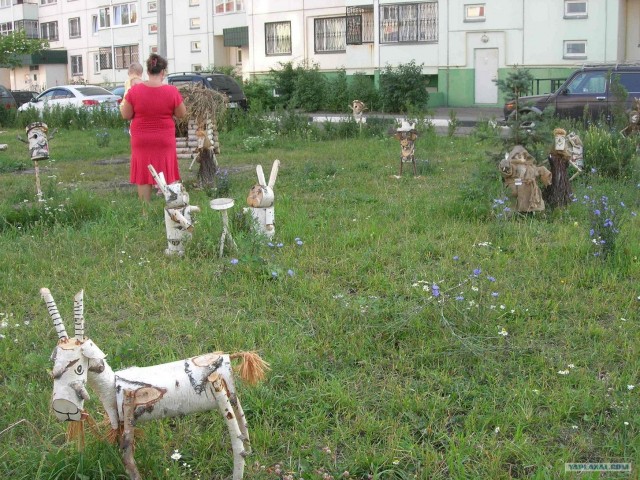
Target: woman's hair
155, 64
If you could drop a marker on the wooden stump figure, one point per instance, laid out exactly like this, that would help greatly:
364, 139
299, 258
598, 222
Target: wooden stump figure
358, 108
633, 120
137, 394
407, 135
521, 175
177, 213
558, 193
38, 149
261, 199
204, 109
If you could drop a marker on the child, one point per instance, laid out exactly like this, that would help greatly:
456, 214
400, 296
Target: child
135, 77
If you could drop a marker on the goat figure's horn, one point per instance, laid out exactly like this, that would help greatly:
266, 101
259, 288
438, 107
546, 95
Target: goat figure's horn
78, 315
54, 313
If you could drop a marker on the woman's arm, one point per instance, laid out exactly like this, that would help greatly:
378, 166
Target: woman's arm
180, 111
126, 110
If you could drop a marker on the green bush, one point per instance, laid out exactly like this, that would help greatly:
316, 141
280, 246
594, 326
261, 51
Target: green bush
362, 87
72, 118
310, 89
403, 87
7, 117
610, 153
284, 82
337, 98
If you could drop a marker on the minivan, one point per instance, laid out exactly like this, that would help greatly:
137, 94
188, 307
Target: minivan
590, 87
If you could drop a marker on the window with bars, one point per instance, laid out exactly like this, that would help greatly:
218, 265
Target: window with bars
125, 56
74, 27
96, 63
76, 64
330, 34
6, 28
277, 37
30, 28
415, 22
49, 30
360, 25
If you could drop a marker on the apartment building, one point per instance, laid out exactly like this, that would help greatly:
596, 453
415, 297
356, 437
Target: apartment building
462, 45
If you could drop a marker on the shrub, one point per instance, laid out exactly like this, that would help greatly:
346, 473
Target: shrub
610, 153
310, 88
362, 87
403, 87
284, 82
337, 99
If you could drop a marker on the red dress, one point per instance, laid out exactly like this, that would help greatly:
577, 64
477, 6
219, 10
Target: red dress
153, 138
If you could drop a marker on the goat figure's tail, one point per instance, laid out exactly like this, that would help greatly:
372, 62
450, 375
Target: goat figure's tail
253, 368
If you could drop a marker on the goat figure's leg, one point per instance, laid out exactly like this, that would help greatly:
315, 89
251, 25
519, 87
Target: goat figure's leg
126, 440
242, 422
413, 160
401, 162
227, 411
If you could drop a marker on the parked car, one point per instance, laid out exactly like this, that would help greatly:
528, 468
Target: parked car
590, 87
6, 99
117, 90
74, 96
216, 81
23, 96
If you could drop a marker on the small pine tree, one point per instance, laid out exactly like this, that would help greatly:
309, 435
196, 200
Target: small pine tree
517, 84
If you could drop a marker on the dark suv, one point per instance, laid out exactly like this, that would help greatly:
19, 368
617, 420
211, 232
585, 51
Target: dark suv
589, 87
216, 81
6, 99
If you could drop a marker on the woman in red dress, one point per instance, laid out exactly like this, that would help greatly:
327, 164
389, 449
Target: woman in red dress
151, 106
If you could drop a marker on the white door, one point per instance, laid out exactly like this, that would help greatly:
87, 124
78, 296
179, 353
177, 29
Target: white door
486, 63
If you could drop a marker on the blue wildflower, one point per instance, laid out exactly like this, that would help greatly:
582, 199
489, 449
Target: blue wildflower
459, 298
280, 245
290, 273
270, 244
494, 294
435, 290
299, 242
491, 279
274, 274
456, 258
234, 261
477, 272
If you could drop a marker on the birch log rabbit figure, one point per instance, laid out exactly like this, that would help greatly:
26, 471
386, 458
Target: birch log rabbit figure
137, 394
261, 199
177, 213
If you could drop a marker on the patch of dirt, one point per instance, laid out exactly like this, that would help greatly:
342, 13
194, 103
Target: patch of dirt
112, 161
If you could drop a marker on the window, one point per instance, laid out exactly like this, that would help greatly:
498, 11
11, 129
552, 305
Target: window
195, 46
588, 82
575, 9
96, 63
105, 17
227, 6
5, 3
194, 3
76, 64
47, 2
125, 14
194, 23
575, 49
474, 13
94, 24
330, 34
153, 28
152, 7
74, 27
153, 49
125, 56
239, 56
196, 67
416, 22
278, 38
29, 26
360, 25
49, 30
6, 28
629, 80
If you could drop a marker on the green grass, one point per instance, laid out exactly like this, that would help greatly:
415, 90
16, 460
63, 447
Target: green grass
371, 373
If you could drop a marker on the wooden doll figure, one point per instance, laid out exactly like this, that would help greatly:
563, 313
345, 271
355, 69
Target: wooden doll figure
520, 174
407, 135
261, 199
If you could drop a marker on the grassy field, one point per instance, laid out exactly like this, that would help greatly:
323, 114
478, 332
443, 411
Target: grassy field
412, 330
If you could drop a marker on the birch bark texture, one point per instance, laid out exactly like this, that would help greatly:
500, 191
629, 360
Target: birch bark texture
137, 394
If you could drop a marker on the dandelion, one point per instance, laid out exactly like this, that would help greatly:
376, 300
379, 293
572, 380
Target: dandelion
575, 427
176, 455
563, 372
630, 387
474, 288
503, 332
626, 424
496, 430
233, 261
571, 365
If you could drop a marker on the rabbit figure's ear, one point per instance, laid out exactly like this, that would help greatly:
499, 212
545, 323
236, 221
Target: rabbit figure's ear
274, 173
260, 173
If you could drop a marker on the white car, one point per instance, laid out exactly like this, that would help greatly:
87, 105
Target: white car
74, 96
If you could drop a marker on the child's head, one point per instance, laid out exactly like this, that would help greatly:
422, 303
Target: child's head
135, 69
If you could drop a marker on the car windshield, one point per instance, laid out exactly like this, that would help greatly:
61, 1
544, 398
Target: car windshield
89, 91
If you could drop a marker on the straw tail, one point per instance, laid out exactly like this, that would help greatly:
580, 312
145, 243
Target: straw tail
54, 313
78, 315
252, 369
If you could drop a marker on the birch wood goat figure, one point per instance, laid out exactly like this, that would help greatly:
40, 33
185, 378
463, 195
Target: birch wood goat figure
136, 394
